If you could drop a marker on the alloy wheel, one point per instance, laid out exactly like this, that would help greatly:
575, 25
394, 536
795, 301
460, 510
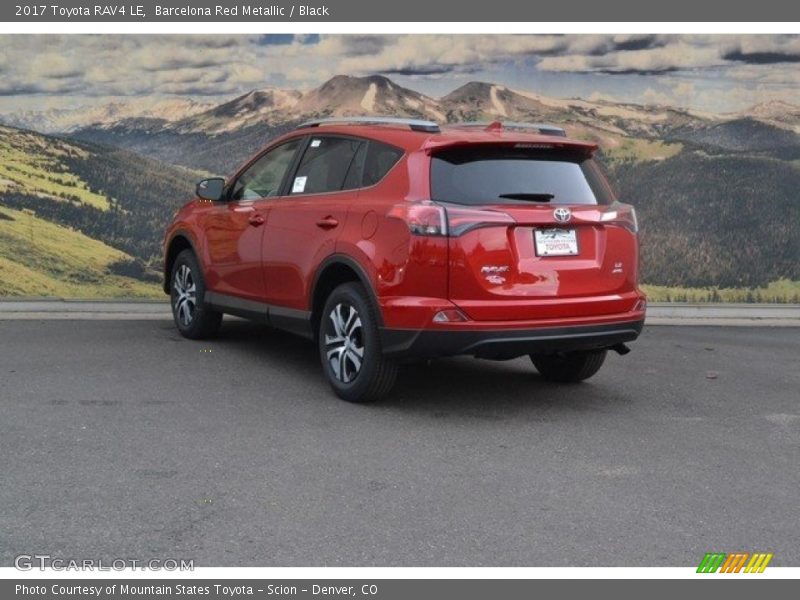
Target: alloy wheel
186, 295
344, 342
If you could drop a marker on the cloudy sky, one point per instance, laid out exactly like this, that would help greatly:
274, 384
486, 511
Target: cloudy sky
714, 73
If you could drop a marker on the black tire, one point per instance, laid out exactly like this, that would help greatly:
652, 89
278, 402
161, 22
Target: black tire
187, 277
354, 377
569, 367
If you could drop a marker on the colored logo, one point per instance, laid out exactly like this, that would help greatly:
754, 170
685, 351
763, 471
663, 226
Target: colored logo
737, 562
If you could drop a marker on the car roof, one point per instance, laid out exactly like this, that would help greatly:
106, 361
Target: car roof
448, 136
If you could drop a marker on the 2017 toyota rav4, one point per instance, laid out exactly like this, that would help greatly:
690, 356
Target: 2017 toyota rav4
388, 240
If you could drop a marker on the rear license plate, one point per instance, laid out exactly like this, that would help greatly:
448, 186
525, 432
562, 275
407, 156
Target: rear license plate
556, 242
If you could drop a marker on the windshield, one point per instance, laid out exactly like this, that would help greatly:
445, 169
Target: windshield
477, 175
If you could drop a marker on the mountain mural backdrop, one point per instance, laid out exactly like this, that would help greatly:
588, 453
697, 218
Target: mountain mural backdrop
85, 193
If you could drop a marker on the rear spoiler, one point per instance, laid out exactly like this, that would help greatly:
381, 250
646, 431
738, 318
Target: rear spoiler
434, 144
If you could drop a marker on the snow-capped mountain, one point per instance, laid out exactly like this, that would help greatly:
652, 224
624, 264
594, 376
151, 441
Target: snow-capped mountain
340, 96
176, 130
375, 95
378, 95
251, 108
67, 120
776, 112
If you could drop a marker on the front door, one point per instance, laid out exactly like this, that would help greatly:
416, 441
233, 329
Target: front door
235, 229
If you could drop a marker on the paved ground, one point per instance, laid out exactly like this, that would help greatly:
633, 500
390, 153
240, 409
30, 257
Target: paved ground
120, 439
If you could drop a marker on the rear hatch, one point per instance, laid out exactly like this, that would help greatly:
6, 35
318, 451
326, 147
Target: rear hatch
534, 232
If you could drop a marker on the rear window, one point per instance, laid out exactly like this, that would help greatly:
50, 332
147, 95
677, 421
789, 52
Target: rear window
477, 175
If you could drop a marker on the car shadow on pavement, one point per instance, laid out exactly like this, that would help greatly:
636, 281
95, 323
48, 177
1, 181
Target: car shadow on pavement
493, 390
463, 385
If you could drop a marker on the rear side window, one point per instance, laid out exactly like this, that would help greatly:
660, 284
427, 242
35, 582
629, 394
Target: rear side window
325, 165
380, 159
506, 175
371, 164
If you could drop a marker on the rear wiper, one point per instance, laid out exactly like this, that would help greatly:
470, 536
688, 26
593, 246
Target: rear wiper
540, 197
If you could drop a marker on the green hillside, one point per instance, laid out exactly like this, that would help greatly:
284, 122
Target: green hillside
777, 292
715, 224
38, 258
34, 164
721, 219
82, 220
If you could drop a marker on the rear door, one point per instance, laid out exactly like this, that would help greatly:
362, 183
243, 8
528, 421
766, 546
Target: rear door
303, 225
530, 235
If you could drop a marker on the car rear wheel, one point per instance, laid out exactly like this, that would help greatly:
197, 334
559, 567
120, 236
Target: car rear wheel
569, 367
350, 348
193, 318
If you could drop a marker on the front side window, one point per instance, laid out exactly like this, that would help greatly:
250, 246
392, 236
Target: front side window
264, 177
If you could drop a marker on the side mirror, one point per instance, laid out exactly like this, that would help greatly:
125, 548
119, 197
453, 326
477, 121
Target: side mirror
211, 189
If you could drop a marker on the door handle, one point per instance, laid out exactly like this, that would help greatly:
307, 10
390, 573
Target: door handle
327, 223
256, 220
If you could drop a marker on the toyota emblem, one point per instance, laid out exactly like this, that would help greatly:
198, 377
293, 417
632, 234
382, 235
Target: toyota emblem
562, 215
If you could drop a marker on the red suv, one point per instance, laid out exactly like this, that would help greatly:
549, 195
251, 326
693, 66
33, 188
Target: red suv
388, 240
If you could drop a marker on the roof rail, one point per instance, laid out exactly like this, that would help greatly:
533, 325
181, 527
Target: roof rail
543, 128
413, 124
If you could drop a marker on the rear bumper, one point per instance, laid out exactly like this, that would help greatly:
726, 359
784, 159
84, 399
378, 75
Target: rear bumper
506, 343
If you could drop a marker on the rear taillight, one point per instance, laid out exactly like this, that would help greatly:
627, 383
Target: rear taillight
422, 218
460, 220
429, 218
623, 215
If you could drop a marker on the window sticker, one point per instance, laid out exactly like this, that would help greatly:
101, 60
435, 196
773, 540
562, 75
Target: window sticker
316, 143
299, 185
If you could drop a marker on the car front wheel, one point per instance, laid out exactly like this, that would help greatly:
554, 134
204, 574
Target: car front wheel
193, 318
350, 348
569, 367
